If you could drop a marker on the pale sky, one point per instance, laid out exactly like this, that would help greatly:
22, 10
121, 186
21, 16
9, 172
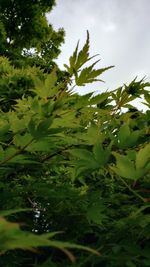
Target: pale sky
119, 32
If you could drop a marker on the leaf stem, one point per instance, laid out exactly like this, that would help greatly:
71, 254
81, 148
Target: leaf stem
131, 190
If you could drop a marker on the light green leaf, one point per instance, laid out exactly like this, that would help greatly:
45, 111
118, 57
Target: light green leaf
143, 157
40, 145
21, 140
16, 124
77, 60
134, 136
124, 167
147, 96
44, 89
72, 61
123, 134
50, 81
83, 55
89, 75
82, 154
99, 98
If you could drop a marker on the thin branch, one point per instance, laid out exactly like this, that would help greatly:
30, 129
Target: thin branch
131, 190
55, 153
16, 153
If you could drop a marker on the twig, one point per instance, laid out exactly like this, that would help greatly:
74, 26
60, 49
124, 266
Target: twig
16, 153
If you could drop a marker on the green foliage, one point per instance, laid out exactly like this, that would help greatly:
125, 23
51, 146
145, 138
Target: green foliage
26, 36
73, 164
77, 60
15, 82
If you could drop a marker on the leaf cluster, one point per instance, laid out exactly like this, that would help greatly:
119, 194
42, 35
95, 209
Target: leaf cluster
75, 164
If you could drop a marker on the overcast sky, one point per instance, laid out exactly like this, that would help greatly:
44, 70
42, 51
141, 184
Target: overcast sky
119, 32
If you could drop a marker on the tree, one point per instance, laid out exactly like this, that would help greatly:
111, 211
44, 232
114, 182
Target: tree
27, 40
26, 34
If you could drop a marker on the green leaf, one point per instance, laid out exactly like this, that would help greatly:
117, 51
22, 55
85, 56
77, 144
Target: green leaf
12, 211
42, 128
130, 264
45, 89
77, 60
83, 55
134, 137
2, 153
72, 61
21, 140
143, 157
14, 238
95, 213
89, 75
38, 130
123, 134
86, 162
92, 135
40, 145
147, 96
124, 167
50, 81
99, 98
4, 127
32, 127
101, 155
82, 154
16, 124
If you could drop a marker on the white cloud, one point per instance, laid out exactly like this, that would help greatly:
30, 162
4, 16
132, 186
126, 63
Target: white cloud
119, 32
109, 27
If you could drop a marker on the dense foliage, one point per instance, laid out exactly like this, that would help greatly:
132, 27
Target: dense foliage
77, 164
25, 35
74, 169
